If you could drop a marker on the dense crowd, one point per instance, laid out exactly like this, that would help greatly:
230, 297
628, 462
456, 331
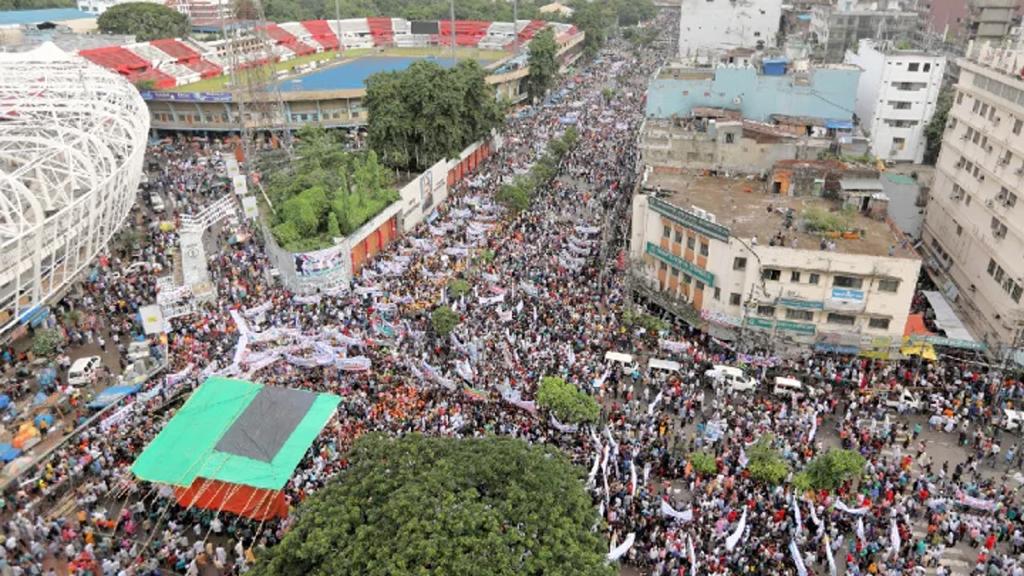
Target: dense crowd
546, 298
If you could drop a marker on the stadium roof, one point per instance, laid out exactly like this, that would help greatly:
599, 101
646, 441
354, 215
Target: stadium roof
12, 17
238, 432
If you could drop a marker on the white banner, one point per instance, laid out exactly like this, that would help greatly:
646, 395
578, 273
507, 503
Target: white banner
668, 510
801, 570
673, 346
855, 511
620, 550
734, 538
353, 364
894, 536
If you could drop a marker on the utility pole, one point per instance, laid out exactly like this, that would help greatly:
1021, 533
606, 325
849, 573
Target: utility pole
453, 30
337, 25
515, 26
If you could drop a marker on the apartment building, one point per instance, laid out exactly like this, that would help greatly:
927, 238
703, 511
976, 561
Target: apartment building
896, 97
834, 29
744, 261
707, 27
974, 224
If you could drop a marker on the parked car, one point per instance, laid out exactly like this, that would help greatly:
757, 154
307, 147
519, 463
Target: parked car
730, 378
84, 371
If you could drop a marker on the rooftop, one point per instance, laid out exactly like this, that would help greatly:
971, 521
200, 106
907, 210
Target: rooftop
747, 209
15, 17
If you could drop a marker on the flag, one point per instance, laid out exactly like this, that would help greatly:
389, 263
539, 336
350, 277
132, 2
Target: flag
828, 554
632, 478
654, 403
860, 529
797, 516
797, 559
734, 538
894, 536
693, 556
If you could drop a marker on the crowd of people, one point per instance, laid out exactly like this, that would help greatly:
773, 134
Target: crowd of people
546, 298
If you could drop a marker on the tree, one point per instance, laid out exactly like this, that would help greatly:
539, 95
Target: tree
46, 343
542, 63
458, 287
832, 469
444, 320
424, 113
703, 463
144, 20
933, 132
515, 196
765, 463
327, 192
633, 12
594, 19
567, 402
417, 505
34, 4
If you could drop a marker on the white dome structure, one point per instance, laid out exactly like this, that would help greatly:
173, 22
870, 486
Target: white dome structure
72, 141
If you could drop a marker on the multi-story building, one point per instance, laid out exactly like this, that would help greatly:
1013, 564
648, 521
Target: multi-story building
991, 20
745, 260
974, 222
741, 119
205, 12
707, 27
835, 29
100, 6
896, 97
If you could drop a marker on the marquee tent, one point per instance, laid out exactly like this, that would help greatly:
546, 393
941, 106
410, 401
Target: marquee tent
234, 445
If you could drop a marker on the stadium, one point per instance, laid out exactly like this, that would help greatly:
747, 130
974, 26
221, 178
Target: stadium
72, 140
320, 65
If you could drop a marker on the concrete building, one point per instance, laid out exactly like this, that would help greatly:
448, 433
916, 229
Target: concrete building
974, 225
991, 20
836, 29
205, 12
896, 97
100, 6
707, 27
743, 261
773, 92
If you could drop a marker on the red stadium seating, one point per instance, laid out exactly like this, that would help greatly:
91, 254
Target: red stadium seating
281, 36
382, 31
322, 33
467, 32
129, 65
531, 29
187, 57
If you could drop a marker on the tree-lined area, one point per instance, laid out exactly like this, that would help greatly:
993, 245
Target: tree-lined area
419, 505
501, 10
144, 20
35, 4
327, 192
427, 112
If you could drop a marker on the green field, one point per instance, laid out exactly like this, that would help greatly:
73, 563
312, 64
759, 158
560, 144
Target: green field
219, 83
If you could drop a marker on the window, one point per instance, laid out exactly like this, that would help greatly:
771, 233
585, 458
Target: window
718, 293
679, 237
739, 263
847, 282
879, 323
913, 67
794, 276
805, 315
888, 285
675, 272
959, 230
959, 97
977, 104
841, 319
729, 137
899, 143
687, 279
991, 266
700, 285
734, 299
766, 311
927, 67
1016, 293
899, 104
967, 200
703, 248
998, 228
771, 274
984, 110
690, 242
813, 278
666, 232
1017, 125
663, 267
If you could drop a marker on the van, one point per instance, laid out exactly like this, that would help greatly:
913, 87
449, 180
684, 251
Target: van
156, 202
1013, 420
732, 379
896, 398
791, 387
666, 365
84, 370
625, 360
138, 350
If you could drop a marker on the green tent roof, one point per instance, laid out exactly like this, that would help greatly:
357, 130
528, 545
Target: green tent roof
236, 431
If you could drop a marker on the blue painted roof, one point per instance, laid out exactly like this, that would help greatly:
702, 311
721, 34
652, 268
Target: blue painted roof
37, 16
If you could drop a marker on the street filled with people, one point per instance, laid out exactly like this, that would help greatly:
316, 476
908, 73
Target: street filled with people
939, 494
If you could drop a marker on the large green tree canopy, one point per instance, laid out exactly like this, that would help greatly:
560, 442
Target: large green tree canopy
543, 66
146, 21
445, 507
326, 192
426, 112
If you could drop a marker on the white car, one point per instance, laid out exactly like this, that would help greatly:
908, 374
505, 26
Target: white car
793, 388
156, 202
625, 360
83, 371
1013, 419
731, 378
896, 398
